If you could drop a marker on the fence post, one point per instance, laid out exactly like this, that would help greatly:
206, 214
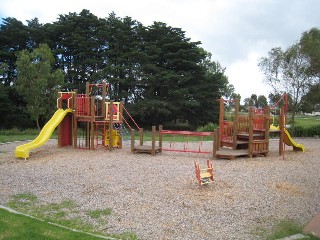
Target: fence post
160, 137
132, 140
141, 136
153, 148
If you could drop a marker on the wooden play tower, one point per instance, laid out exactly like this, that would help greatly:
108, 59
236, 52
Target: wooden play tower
244, 135
93, 122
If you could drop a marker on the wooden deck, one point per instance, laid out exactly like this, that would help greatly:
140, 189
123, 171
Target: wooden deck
227, 153
146, 149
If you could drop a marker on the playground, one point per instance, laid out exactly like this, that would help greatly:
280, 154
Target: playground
159, 196
168, 189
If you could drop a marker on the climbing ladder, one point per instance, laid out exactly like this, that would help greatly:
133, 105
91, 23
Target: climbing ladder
100, 133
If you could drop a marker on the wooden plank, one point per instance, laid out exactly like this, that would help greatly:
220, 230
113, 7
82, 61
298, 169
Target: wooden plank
231, 154
145, 149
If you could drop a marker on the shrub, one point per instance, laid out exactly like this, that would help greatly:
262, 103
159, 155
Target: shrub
210, 127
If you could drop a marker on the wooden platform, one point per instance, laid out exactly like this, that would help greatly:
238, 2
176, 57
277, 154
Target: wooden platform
227, 153
146, 149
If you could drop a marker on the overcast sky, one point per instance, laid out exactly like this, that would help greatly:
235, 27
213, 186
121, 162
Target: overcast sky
236, 32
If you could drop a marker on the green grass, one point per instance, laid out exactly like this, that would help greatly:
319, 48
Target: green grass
66, 213
307, 121
16, 227
284, 228
15, 134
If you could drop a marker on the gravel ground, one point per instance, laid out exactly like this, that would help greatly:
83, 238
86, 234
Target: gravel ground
159, 198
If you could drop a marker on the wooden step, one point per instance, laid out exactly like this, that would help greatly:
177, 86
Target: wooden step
227, 153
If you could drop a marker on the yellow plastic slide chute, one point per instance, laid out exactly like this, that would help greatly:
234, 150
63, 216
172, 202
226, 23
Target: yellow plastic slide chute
22, 151
288, 140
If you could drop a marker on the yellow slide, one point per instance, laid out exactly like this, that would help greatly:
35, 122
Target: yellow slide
22, 151
288, 140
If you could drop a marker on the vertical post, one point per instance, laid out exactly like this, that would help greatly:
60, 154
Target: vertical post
75, 125
59, 105
92, 119
281, 126
216, 141
153, 148
141, 136
103, 101
87, 89
250, 131
267, 126
111, 125
235, 124
121, 123
132, 140
221, 118
160, 137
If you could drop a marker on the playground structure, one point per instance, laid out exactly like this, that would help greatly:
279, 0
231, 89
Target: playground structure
204, 175
89, 121
84, 121
247, 135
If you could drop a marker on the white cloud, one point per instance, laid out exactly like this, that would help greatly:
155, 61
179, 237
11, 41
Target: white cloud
247, 78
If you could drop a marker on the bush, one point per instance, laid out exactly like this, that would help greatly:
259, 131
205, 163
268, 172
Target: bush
210, 127
305, 131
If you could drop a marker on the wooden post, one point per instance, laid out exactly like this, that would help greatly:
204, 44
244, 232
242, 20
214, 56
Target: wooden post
267, 126
235, 124
160, 137
221, 118
92, 119
59, 105
281, 126
75, 123
141, 136
216, 142
110, 125
103, 101
251, 116
153, 148
132, 140
121, 123
87, 89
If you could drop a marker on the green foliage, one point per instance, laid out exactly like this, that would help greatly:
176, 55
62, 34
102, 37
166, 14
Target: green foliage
210, 127
36, 82
163, 76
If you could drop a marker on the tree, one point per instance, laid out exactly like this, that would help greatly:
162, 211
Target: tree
123, 58
288, 72
13, 38
311, 101
262, 101
310, 45
36, 82
79, 44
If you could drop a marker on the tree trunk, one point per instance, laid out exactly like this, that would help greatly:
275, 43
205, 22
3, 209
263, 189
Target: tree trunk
38, 125
292, 122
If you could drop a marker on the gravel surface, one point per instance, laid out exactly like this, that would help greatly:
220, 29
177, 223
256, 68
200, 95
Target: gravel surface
157, 197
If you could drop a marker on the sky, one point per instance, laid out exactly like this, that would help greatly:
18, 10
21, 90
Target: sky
237, 32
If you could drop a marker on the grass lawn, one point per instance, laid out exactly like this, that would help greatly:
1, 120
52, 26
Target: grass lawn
307, 121
15, 226
17, 135
66, 214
